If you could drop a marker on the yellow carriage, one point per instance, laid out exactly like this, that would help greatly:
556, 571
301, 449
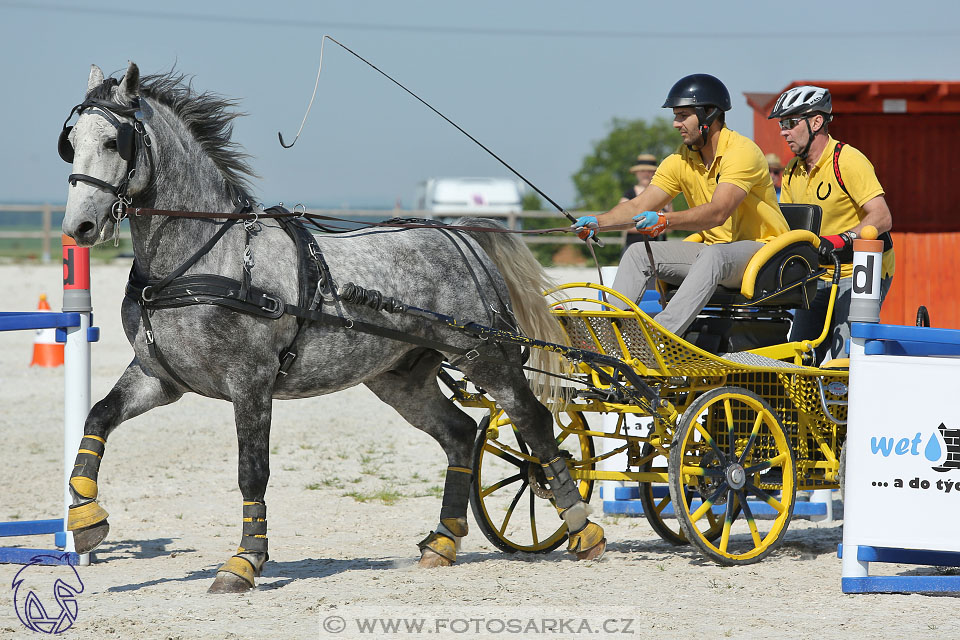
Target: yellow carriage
725, 432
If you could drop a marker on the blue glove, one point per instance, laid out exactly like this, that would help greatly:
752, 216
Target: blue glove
651, 223
586, 227
646, 219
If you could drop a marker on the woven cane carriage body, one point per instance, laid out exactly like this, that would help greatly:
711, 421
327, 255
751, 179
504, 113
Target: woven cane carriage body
724, 433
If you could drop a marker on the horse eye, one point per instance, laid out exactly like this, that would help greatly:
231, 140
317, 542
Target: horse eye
110, 144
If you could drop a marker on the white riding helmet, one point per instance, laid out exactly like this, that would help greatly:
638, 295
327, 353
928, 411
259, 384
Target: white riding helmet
803, 99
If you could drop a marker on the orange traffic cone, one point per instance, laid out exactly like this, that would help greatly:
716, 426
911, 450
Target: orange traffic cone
47, 352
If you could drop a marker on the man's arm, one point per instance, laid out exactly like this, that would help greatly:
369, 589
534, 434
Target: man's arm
877, 214
653, 198
726, 198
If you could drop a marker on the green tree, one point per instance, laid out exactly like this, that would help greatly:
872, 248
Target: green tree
605, 173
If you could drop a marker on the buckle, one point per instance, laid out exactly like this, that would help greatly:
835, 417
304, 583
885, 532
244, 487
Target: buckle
147, 294
149, 334
471, 355
286, 361
271, 305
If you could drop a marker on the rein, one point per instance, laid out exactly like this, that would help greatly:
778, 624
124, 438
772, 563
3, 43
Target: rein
396, 223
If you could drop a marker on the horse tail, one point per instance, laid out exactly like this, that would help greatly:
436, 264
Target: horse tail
526, 281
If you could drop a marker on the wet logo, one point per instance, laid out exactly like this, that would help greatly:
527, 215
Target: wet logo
46, 598
942, 447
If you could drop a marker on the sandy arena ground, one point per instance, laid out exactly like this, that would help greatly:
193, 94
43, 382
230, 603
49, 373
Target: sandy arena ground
339, 553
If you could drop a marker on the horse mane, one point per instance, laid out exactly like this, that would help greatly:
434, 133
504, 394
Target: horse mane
208, 116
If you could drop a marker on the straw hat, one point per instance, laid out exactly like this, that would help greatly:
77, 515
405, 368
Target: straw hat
645, 162
774, 161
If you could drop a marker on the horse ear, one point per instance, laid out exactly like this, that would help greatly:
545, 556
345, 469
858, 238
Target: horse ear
95, 79
130, 85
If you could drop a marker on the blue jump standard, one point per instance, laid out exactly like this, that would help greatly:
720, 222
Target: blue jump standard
903, 584
19, 321
626, 501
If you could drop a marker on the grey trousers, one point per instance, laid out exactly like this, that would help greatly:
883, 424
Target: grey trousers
808, 323
696, 267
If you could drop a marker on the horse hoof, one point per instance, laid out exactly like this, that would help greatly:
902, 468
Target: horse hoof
430, 560
229, 583
593, 553
86, 540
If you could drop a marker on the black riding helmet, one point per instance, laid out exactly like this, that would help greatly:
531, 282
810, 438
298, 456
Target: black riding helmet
700, 90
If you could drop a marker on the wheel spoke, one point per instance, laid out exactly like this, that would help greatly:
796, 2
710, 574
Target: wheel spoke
496, 450
520, 443
727, 523
663, 504
513, 505
766, 497
500, 485
721, 458
533, 518
766, 464
728, 412
751, 522
751, 439
704, 508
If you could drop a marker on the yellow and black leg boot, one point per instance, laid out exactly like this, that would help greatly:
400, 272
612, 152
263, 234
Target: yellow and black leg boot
239, 573
439, 549
586, 539
86, 519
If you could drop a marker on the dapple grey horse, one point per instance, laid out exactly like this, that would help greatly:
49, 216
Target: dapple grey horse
156, 143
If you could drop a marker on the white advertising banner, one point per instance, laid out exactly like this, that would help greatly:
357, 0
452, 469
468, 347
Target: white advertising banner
903, 453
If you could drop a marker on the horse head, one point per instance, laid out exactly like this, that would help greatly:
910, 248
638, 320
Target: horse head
109, 150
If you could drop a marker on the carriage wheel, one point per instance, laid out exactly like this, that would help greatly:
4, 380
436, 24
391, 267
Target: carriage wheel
730, 447
655, 501
511, 501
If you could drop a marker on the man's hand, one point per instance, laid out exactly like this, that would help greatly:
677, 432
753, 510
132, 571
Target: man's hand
841, 244
651, 223
586, 227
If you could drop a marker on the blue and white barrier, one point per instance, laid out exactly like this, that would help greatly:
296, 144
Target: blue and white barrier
73, 328
901, 494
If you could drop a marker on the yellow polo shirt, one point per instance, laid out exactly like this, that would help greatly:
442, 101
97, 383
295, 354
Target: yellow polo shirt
739, 161
840, 211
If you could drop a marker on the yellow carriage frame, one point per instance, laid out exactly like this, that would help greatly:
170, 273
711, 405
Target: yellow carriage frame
757, 424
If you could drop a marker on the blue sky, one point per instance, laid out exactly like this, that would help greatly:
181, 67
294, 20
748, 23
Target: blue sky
537, 82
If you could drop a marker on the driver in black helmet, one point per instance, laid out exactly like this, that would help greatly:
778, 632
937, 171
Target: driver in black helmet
725, 180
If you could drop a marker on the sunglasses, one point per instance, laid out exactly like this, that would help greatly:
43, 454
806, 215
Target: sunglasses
790, 123
776, 172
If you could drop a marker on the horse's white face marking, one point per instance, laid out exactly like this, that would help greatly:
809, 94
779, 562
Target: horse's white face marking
89, 217
95, 154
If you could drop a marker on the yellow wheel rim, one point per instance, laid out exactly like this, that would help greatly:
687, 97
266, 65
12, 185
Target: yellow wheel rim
732, 449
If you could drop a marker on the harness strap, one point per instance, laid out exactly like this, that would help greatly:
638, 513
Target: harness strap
885, 237
393, 334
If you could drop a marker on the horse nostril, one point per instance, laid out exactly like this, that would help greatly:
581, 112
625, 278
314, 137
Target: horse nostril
86, 228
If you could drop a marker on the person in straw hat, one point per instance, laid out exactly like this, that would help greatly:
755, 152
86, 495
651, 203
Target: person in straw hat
776, 171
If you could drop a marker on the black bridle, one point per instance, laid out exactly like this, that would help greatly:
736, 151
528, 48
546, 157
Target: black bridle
131, 140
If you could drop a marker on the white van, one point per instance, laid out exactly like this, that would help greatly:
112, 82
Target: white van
490, 196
